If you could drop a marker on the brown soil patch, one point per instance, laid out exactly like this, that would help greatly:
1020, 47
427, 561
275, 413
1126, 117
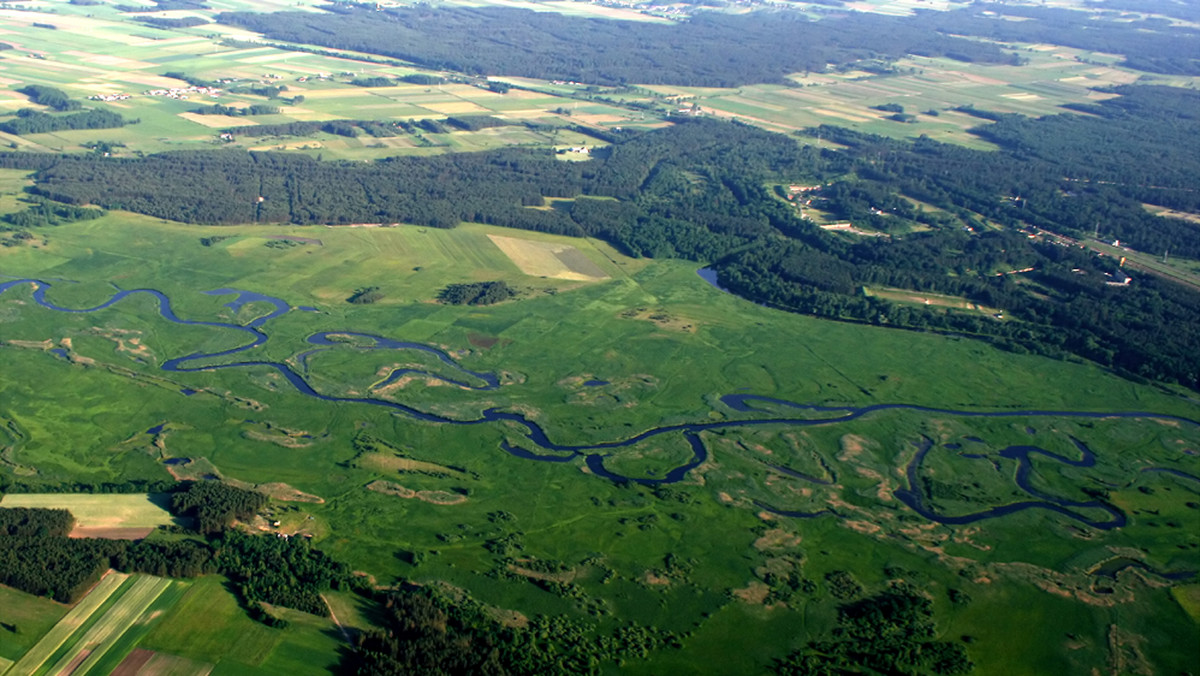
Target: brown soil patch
756, 592
284, 492
432, 497
78, 660
777, 538
111, 533
661, 318
562, 577
128, 341
508, 618
655, 580
852, 446
132, 664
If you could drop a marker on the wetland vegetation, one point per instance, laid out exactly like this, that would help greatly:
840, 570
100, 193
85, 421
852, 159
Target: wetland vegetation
946, 425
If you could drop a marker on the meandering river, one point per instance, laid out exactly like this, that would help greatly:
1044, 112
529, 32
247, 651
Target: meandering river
758, 410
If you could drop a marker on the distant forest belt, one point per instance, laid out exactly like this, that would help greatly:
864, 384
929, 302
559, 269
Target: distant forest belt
715, 50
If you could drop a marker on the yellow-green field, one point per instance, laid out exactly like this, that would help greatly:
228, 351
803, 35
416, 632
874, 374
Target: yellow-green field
100, 515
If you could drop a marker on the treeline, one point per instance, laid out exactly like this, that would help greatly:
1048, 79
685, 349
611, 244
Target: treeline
165, 22
424, 632
37, 557
50, 97
30, 121
476, 293
30, 522
281, 571
710, 49
350, 128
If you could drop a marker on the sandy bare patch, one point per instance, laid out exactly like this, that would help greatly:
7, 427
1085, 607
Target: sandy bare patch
432, 497
217, 121
777, 538
286, 493
111, 533
756, 593
852, 447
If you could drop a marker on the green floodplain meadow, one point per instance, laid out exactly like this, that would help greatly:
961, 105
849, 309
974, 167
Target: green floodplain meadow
667, 346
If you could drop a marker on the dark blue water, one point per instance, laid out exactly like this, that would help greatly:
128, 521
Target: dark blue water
762, 411
177, 461
156, 429
595, 383
709, 275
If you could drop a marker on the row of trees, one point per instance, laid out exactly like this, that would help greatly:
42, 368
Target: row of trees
30, 121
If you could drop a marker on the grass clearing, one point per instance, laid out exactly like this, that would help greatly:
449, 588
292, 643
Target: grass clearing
930, 299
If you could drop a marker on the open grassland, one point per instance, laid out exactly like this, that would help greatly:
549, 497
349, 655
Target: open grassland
208, 629
32, 616
101, 515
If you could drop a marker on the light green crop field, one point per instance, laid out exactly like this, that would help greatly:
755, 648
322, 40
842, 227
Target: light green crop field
99, 511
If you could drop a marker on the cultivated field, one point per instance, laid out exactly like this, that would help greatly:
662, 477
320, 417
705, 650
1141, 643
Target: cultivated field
101, 515
95, 635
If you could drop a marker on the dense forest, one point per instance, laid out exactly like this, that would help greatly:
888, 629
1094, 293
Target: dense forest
423, 631
698, 190
715, 50
1152, 45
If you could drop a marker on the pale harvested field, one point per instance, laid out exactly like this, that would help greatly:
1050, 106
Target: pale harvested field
218, 121
455, 107
546, 259
98, 511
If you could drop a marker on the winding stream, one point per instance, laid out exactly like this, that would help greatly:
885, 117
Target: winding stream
760, 410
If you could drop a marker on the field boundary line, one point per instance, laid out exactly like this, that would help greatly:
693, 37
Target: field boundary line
119, 618
67, 626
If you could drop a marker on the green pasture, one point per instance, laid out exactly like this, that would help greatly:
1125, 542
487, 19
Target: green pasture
208, 626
